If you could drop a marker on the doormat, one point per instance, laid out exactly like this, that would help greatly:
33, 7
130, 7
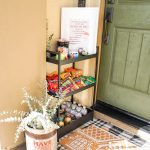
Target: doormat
100, 135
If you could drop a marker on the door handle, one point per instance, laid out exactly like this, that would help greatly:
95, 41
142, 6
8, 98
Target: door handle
105, 34
108, 19
109, 14
110, 1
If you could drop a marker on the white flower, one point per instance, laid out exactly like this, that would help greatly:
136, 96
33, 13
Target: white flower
40, 115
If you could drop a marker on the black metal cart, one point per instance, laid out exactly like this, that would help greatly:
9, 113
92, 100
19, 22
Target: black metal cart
51, 58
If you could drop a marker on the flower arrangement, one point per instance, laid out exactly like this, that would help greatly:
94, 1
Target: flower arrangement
41, 112
49, 42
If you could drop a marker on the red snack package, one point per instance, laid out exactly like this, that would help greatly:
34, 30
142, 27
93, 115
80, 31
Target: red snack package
52, 76
53, 86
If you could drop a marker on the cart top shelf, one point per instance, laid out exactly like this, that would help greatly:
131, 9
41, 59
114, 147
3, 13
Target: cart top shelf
51, 58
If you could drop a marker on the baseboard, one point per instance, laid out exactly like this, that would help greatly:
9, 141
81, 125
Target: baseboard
17, 147
121, 115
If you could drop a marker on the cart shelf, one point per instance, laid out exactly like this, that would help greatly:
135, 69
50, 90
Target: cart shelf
75, 124
78, 90
51, 58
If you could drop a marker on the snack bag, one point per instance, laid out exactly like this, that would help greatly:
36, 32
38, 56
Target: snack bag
70, 69
65, 75
66, 84
88, 80
52, 76
79, 82
91, 79
75, 86
53, 86
76, 73
69, 85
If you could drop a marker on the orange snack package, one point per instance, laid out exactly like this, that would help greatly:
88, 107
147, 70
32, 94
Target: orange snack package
76, 73
65, 75
70, 69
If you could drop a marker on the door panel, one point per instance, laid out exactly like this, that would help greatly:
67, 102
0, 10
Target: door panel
132, 59
124, 79
131, 56
120, 53
143, 76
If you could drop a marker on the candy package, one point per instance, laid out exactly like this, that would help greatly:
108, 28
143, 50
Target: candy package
68, 85
71, 80
70, 69
79, 82
88, 80
91, 79
73, 54
76, 73
52, 76
52, 86
75, 87
65, 75
63, 48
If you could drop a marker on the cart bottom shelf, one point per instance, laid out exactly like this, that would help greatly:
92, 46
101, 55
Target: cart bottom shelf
74, 124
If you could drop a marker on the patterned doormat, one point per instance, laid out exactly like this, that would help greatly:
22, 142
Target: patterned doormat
100, 135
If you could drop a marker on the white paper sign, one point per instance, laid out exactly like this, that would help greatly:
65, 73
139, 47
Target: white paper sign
80, 26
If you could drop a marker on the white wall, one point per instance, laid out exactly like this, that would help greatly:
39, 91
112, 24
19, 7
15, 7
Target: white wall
22, 55
22, 51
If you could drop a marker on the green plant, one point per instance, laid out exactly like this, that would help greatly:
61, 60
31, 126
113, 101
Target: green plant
41, 112
49, 42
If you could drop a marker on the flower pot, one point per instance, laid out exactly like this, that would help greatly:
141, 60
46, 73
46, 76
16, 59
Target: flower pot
41, 139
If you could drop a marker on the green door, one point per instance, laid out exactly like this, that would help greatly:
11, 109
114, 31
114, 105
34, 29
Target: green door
124, 79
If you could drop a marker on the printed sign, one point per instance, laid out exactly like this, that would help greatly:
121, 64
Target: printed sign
80, 26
